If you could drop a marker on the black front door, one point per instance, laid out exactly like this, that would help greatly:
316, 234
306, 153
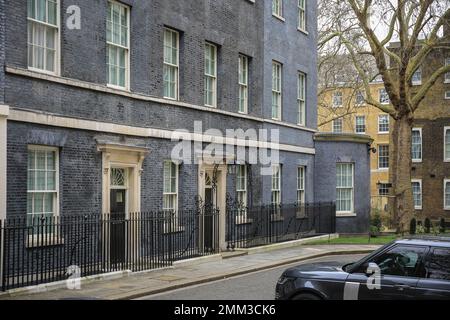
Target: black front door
117, 229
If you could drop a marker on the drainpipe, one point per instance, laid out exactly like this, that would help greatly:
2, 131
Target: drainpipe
4, 112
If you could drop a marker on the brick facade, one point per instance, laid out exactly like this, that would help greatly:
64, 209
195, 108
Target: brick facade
80, 93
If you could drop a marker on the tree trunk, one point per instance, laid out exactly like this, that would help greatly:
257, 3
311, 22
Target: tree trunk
402, 202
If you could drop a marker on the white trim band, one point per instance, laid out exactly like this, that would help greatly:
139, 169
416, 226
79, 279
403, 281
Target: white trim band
91, 125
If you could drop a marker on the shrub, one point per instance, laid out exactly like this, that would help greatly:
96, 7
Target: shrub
412, 226
427, 225
420, 229
442, 227
375, 225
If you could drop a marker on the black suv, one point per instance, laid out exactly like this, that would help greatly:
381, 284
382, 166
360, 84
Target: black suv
416, 268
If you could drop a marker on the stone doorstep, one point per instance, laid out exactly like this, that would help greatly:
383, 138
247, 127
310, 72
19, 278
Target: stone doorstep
45, 287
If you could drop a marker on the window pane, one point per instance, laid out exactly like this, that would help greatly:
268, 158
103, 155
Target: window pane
400, 261
51, 180
447, 144
32, 9
417, 194
38, 203
41, 10
48, 203
438, 265
447, 194
52, 12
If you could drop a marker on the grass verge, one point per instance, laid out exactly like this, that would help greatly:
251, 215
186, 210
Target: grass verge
357, 240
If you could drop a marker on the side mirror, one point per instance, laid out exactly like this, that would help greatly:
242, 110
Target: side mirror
372, 268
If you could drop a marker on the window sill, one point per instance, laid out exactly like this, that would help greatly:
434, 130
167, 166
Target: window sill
446, 81
170, 229
276, 217
418, 208
300, 216
416, 161
43, 240
50, 73
171, 99
123, 89
241, 220
279, 17
383, 132
345, 215
303, 31
416, 84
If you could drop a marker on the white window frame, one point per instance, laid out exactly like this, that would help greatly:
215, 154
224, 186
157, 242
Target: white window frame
176, 193
352, 210
301, 98
213, 77
54, 192
243, 85
417, 82
356, 124
338, 99
419, 181
417, 160
277, 89
276, 169
277, 9
447, 75
170, 65
302, 16
379, 123
341, 121
57, 66
379, 156
446, 145
446, 206
447, 95
126, 48
383, 96
360, 94
379, 188
242, 191
301, 182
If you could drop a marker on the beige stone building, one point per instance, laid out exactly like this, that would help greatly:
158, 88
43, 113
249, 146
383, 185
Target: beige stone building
352, 115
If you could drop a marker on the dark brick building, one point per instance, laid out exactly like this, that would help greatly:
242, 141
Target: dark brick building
88, 113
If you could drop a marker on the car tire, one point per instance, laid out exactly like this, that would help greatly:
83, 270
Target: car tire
306, 296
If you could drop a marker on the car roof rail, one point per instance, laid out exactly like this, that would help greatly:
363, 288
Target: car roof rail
429, 238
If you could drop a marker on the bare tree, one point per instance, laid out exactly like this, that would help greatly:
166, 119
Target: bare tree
367, 28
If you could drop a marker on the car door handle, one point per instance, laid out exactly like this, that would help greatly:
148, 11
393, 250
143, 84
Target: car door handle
401, 287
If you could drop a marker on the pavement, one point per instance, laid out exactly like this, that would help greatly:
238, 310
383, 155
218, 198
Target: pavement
137, 285
258, 285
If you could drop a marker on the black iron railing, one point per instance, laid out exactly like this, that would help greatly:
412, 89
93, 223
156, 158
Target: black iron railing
250, 227
46, 249
43, 249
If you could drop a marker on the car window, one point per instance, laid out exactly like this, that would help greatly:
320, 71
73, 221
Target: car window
437, 265
403, 261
